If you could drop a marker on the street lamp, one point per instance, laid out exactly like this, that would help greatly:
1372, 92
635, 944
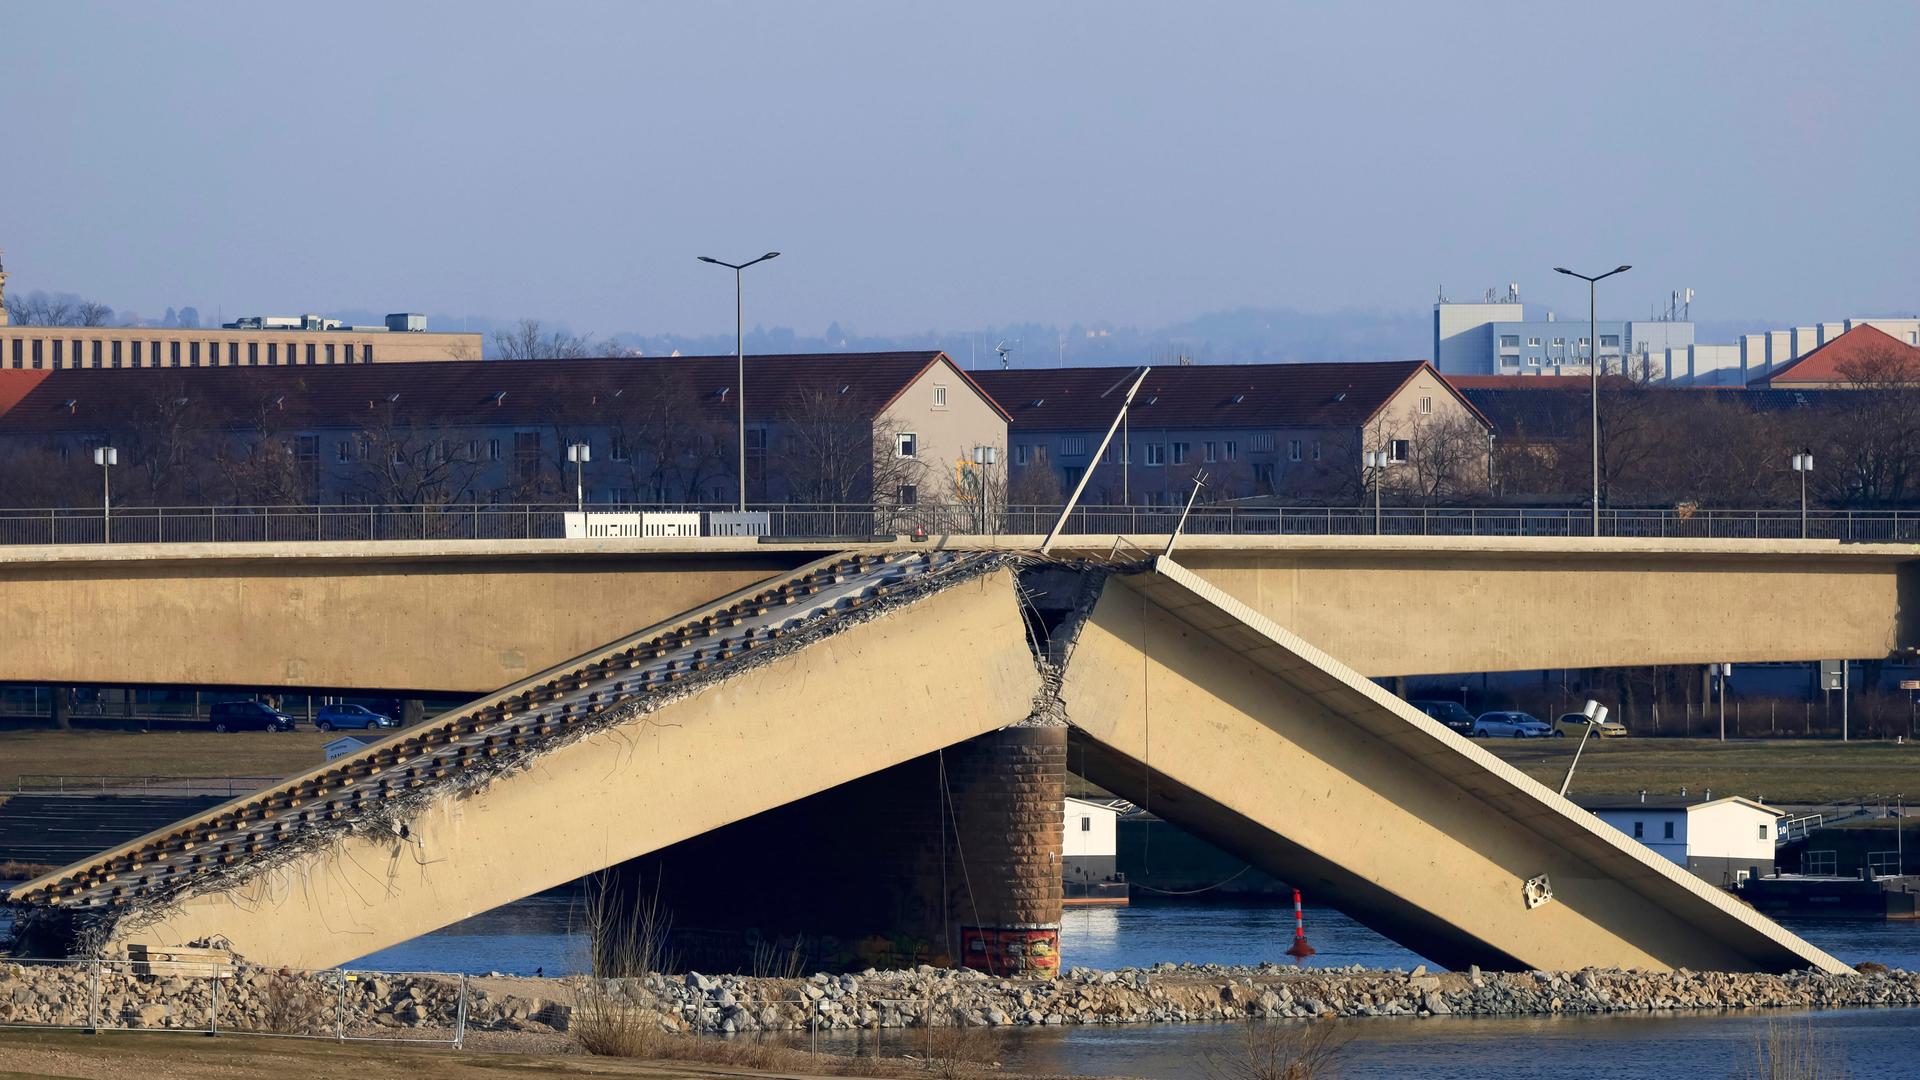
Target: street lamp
1593, 369
580, 453
1803, 464
106, 457
1377, 473
740, 358
1596, 715
1723, 672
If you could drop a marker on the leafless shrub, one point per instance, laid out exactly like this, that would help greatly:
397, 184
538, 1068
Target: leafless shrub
1793, 1052
1278, 1050
607, 1023
294, 1006
962, 1049
771, 962
628, 930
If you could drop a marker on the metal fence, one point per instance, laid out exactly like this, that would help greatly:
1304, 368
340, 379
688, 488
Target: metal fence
793, 521
181, 995
105, 784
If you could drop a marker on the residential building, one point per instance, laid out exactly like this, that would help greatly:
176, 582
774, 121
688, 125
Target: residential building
1295, 431
832, 428
1723, 840
1496, 338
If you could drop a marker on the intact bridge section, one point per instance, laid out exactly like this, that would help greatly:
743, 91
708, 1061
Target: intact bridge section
934, 691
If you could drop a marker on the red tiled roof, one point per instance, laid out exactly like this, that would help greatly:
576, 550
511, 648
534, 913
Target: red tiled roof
1835, 361
1201, 395
506, 392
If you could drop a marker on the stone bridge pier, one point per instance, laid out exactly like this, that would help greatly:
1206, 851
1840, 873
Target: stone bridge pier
950, 858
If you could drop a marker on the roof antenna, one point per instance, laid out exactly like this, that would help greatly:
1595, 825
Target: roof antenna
1005, 351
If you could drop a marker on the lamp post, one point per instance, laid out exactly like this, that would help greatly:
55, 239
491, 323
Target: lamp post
1803, 464
580, 453
1376, 473
1596, 715
106, 457
1724, 672
1593, 368
740, 359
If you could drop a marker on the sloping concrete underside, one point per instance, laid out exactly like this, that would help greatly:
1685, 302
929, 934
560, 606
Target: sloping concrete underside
1196, 706
872, 695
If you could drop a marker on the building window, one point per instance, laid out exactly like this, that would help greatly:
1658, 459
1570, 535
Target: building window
1426, 405
909, 494
1765, 830
366, 353
253, 353
1668, 831
1180, 451
116, 353
1293, 449
273, 354
1583, 343
36, 352
173, 349
1155, 453
906, 444
1639, 830
1021, 453
1263, 443
1512, 359
617, 446
939, 396
1533, 361
493, 449
1263, 473
1073, 473
1559, 343
1086, 824
1609, 340
193, 353
1398, 449
1509, 341
1230, 450
343, 451
756, 440
1316, 449
1073, 445
1533, 342
1210, 452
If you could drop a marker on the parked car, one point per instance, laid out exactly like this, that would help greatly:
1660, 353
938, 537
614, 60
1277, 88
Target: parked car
248, 716
1511, 725
1451, 713
351, 716
1571, 723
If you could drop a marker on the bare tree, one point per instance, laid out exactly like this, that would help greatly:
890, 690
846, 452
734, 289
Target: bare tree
526, 341
400, 463
39, 308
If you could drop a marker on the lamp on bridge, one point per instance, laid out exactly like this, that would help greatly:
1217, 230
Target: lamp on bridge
740, 358
106, 457
580, 453
1803, 464
1593, 367
1377, 462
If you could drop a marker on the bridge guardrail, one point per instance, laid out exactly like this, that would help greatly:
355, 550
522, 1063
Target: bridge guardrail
801, 521
106, 784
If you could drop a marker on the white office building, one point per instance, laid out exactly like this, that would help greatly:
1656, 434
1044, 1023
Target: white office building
1495, 337
1723, 840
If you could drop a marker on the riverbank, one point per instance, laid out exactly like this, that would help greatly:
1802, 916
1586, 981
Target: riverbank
325, 1003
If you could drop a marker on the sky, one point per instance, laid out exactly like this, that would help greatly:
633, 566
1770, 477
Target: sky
954, 165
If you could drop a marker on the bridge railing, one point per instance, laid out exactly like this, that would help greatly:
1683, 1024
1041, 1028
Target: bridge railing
104, 784
800, 521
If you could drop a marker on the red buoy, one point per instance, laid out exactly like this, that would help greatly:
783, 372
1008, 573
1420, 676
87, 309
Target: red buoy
1299, 950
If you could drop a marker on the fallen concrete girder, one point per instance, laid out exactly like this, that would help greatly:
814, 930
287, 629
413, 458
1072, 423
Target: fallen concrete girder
1211, 716
764, 697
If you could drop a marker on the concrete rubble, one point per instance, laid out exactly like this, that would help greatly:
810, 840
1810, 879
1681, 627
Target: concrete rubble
260, 999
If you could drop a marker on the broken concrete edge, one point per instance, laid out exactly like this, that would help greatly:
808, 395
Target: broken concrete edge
89, 932
1513, 778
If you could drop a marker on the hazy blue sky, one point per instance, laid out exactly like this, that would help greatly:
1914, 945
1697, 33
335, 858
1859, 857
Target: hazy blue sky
952, 165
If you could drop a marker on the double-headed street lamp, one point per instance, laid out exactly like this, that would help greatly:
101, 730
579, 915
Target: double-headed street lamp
106, 457
740, 357
1593, 367
580, 453
1803, 464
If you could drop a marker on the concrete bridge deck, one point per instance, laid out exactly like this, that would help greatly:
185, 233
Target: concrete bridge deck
1188, 700
467, 616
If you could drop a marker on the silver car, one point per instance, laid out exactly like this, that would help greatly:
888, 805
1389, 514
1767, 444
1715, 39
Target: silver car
1510, 725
